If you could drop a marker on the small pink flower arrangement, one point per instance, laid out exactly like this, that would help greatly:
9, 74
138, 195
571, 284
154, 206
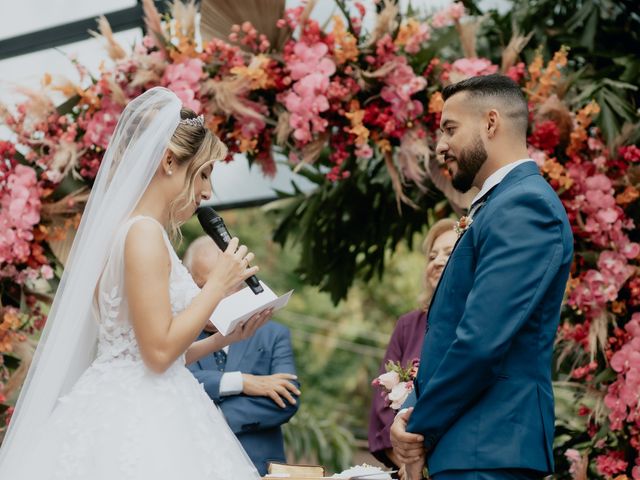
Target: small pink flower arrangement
397, 382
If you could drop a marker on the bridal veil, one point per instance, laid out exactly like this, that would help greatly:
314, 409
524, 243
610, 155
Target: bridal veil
67, 345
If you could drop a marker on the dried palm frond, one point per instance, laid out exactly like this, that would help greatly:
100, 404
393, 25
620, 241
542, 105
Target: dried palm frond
61, 218
467, 32
460, 202
386, 22
38, 105
512, 51
115, 51
283, 128
396, 182
153, 22
306, 13
117, 94
218, 16
184, 14
150, 70
226, 97
412, 157
67, 206
598, 334
383, 71
65, 158
312, 151
24, 350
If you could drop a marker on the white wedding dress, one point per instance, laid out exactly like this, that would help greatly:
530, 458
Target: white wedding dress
122, 421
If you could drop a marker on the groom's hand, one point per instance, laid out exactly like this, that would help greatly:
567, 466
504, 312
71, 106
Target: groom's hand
409, 447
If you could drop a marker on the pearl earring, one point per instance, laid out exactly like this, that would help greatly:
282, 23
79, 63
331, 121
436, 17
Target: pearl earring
170, 172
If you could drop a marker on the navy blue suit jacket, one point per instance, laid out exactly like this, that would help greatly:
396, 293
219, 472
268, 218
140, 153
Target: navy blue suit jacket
484, 393
256, 421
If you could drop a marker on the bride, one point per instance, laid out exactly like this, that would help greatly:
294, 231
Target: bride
129, 409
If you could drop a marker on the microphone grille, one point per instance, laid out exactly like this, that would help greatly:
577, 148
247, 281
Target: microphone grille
207, 215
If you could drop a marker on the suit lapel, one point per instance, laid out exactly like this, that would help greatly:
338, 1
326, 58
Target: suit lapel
521, 171
235, 355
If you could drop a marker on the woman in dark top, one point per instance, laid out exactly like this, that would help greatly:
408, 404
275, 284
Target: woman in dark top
407, 337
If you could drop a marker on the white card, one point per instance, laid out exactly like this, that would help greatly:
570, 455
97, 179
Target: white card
239, 307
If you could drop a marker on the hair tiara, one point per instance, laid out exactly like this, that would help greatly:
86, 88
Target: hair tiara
193, 121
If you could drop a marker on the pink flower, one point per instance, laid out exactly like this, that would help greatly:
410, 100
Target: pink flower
401, 84
47, 272
364, 151
19, 212
611, 464
389, 380
184, 80
399, 394
311, 59
102, 123
307, 99
464, 68
623, 396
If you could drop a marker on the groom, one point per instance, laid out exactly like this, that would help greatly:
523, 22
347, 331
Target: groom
484, 407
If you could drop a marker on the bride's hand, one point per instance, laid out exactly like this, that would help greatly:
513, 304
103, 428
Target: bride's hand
231, 268
248, 328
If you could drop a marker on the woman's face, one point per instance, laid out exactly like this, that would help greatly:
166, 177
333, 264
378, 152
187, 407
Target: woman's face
201, 187
438, 256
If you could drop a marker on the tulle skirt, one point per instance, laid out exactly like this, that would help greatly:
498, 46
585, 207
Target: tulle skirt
121, 421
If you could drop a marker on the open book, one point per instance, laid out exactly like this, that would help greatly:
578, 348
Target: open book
239, 307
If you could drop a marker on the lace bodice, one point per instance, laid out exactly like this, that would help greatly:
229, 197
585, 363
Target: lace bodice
116, 338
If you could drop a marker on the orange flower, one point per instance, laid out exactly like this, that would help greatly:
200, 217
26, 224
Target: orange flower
629, 195
579, 134
256, 72
356, 115
556, 171
384, 145
542, 84
436, 103
346, 44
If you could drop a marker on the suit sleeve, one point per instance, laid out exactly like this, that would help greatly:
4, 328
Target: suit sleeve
518, 252
245, 413
210, 379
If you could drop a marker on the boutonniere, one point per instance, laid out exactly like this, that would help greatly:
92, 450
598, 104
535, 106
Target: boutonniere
463, 224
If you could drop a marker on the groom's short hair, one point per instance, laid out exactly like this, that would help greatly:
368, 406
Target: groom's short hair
495, 88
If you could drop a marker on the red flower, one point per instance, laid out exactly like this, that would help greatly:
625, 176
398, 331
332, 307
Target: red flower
545, 136
630, 153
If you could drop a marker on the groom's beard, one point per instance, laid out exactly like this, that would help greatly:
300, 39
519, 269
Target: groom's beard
469, 163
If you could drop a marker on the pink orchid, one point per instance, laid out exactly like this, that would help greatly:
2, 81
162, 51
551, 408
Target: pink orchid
184, 80
102, 123
464, 68
307, 99
401, 84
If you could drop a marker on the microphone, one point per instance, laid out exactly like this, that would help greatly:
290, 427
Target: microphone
214, 226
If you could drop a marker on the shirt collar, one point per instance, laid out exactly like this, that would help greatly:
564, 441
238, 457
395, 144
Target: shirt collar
496, 177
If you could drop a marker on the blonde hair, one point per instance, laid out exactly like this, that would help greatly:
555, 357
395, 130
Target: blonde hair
194, 145
437, 229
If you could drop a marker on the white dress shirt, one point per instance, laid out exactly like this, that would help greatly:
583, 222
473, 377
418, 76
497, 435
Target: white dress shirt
496, 177
231, 382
